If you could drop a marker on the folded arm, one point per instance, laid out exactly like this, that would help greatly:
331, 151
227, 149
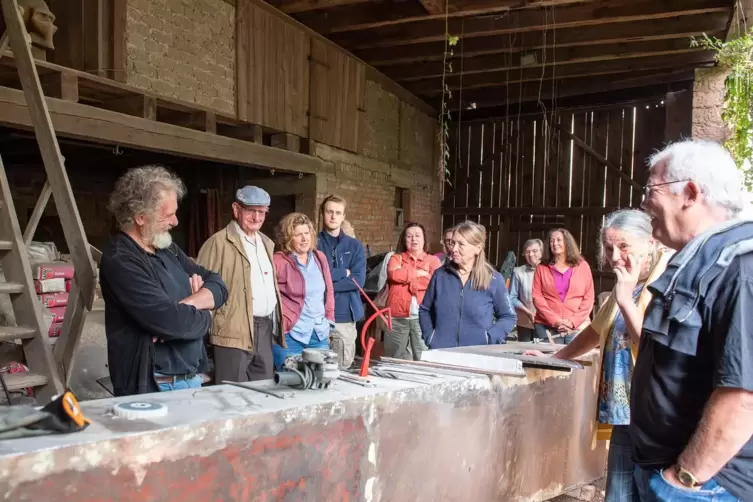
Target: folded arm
143, 299
583, 311
344, 282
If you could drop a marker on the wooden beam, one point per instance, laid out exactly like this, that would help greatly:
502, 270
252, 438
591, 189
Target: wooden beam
294, 6
601, 159
36, 215
525, 211
60, 85
435, 7
85, 122
684, 58
66, 347
621, 98
559, 57
544, 91
249, 132
39, 118
376, 14
666, 29
143, 106
286, 141
589, 14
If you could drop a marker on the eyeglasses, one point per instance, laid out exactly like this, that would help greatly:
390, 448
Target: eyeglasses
253, 210
647, 188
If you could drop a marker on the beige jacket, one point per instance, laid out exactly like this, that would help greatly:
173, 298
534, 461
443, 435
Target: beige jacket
233, 324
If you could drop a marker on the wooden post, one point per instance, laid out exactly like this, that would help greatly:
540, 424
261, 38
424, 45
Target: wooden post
36, 215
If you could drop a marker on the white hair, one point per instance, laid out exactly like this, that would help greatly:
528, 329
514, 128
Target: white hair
708, 165
633, 221
533, 242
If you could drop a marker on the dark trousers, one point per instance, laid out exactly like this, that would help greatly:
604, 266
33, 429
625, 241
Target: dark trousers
236, 365
525, 334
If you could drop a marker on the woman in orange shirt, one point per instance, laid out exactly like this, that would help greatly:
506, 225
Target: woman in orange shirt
563, 290
408, 274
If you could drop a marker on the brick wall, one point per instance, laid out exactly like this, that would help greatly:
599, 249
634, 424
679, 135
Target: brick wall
397, 150
183, 49
708, 96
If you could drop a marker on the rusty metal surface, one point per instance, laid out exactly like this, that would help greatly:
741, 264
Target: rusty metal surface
499, 439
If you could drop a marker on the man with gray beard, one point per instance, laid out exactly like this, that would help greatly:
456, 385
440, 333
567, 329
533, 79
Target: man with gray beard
157, 301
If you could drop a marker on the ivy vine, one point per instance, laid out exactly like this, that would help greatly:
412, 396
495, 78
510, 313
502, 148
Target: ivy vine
444, 114
736, 56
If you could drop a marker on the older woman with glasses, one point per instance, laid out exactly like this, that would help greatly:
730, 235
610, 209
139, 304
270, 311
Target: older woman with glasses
628, 247
521, 289
308, 298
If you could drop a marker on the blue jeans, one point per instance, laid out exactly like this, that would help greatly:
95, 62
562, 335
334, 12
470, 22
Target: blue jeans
294, 348
620, 468
181, 384
653, 487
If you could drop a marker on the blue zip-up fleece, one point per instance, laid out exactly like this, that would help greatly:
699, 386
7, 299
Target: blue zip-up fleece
453, 315
345, 253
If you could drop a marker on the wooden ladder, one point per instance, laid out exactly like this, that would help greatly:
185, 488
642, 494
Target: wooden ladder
30, 328
49, 368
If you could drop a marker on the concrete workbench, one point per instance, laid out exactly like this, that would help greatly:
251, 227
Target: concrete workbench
456, 439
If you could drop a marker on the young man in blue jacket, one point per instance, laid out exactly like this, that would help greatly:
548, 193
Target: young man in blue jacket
347, 262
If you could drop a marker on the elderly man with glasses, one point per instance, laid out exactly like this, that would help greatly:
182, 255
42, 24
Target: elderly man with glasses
692, 400
244, 328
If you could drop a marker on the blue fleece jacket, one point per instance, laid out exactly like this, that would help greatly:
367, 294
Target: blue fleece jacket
345, 253
453, 315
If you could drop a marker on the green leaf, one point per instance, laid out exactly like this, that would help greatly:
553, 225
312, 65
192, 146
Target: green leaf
452, 40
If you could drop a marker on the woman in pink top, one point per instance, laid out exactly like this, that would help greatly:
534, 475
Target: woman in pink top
563, 290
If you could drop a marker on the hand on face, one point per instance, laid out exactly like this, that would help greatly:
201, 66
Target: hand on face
628, 276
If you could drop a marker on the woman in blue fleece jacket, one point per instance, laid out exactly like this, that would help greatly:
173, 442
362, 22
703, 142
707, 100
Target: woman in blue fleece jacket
466, 302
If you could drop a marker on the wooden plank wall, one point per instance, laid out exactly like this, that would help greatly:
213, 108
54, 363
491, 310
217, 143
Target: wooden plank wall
520, 177
289, 81
272, 70
338, 83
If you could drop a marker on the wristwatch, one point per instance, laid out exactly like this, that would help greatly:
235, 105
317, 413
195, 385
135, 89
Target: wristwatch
686, 478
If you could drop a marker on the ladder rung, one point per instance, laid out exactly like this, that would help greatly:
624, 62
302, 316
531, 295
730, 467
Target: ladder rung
11, 287
11, 333
6, 245
18, 381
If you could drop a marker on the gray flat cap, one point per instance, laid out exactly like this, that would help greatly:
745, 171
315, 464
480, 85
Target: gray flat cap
252, 196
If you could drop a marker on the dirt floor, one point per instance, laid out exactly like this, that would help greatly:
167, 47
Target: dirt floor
598, 493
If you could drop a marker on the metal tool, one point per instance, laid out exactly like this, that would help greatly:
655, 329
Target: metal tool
312, 369
269, 392
356, 380
395, 376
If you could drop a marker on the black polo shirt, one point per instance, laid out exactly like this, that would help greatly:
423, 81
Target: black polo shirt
670, 389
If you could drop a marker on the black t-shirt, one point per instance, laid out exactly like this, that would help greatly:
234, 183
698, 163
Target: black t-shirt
670, 389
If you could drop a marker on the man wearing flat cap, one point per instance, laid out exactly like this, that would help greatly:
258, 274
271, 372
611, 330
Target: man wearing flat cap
244, 328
